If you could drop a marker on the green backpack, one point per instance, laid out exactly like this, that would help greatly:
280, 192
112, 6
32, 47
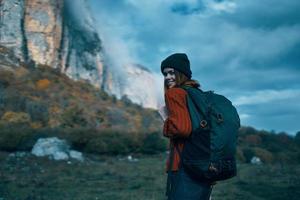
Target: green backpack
209, 152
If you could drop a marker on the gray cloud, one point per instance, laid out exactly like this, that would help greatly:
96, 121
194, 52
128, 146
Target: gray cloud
279, 115
236, 48
269, 14
186, 9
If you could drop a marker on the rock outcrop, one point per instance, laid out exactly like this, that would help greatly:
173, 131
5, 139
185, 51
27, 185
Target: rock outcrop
140, 87
53, 33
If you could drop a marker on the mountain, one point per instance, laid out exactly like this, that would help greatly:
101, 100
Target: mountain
61, 34
134, 82
42, 97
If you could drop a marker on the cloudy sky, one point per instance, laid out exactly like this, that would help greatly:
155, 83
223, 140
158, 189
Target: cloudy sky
247, 50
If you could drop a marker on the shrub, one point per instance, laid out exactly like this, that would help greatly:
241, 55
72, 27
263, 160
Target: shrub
248, 154
13, 101
265, 155
103, 95
17, 137
15, 117
240, 155
125, 99
38, 111
153, 143
95, 141
73, 117
253, 140
78, 137
297, 138
6, 77
247, 130
4, 83
42, 84
288, 157
111, 142
21, 72
36, 125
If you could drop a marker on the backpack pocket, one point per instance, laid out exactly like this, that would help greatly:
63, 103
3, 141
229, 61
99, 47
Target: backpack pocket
197, 169
206, 170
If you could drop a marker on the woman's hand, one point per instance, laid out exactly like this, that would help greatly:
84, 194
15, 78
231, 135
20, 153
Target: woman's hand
163, 112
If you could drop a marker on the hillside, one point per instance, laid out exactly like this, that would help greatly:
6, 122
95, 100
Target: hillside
51, 33
270, 147
39, 97
39, 101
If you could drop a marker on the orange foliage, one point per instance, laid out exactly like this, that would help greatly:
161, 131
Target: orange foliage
54, 122
284, 138
35, 125
265, 155
87, 96
16, 117
20, 72
54, 110
253, 139
42, 84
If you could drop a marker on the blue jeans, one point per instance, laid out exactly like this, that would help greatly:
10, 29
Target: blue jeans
182, 187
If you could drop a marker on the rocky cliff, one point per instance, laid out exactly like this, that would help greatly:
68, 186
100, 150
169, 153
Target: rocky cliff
134, 82
49, 32
61, 34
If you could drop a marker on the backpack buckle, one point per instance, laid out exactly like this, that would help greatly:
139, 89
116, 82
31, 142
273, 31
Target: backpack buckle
213, 168
220, 118
203, 123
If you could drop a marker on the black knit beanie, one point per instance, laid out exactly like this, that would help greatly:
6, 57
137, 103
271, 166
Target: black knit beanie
178, 61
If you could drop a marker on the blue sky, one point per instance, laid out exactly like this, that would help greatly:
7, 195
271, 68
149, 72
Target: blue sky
247, 50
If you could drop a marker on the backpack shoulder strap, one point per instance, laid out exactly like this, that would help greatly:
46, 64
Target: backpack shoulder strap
200, 104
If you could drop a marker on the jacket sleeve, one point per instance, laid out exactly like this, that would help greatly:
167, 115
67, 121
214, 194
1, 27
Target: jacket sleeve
178, 123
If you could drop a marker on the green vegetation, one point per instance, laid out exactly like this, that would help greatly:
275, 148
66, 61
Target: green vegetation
270, 147
41, 102
21, 137
109, 178
50, 99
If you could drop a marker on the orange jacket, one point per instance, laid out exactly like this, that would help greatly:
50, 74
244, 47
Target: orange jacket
178, 124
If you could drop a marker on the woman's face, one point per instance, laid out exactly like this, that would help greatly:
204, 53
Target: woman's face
169, 75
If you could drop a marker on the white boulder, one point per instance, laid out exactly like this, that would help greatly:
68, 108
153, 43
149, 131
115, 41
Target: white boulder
59, 155
76, 155
131, 159
56, 149
255, 160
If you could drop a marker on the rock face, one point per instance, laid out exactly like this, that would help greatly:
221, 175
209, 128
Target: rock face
42, 31
11, 26
51, 32
134, 82
61, 34
140, 87
81, 50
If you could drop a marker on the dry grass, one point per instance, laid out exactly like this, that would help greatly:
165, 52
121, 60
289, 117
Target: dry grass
110, 178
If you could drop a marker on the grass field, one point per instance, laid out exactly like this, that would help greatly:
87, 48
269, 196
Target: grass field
109, 178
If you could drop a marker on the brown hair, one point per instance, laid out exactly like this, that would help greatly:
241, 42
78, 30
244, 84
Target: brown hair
182, 79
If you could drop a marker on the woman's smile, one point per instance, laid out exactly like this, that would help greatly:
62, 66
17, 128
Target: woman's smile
169, 74
171, 83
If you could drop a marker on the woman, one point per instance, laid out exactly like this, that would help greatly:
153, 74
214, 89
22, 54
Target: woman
177, 127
